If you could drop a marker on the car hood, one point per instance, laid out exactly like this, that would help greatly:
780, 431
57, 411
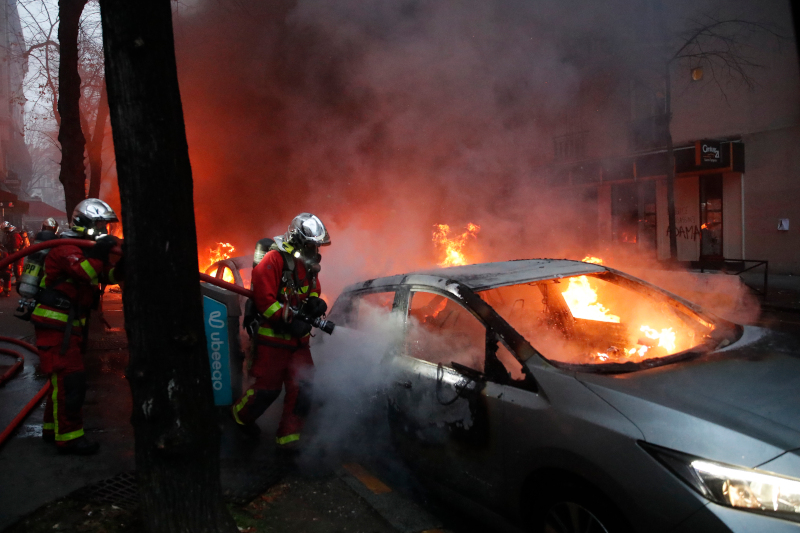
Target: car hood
736, 405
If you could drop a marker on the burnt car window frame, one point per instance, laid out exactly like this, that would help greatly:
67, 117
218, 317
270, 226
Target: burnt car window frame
683, 309
343, 306
497, 329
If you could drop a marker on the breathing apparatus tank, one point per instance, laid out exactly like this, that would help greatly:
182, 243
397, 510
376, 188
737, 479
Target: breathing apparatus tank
32, 273
262, 247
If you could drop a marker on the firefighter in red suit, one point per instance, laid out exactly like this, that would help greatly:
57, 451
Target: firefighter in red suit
13, 242
70, 288
286, 295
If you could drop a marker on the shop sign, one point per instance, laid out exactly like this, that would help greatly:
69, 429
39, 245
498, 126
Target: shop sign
707, 153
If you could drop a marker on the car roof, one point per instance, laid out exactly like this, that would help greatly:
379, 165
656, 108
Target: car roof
485, 275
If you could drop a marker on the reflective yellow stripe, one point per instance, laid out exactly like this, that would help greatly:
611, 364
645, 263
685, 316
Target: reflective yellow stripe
69, 436
56, 315
267, 332
90, 271
48, 425
66, 436
303, 290
111, 278
272, 309
239, 406
288, 438
54, 397
314, 294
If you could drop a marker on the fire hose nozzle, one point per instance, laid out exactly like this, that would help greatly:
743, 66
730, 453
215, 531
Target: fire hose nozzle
319, 322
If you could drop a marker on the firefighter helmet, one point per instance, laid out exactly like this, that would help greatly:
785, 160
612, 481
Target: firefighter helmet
7, 226
50, 224
91, 217
307, 232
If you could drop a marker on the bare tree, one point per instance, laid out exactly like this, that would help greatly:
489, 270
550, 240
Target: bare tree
176, 433
719, 45
41, 23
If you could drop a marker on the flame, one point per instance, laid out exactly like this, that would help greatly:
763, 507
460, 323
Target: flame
704, 226
453, 254
582, 301
666, 339
594, 260
222, 251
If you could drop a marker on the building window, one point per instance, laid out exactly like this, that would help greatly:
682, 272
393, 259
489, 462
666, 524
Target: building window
711, 217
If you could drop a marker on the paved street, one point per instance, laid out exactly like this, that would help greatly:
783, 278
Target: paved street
365, 478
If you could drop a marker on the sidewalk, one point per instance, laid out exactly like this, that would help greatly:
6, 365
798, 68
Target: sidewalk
783, 293
71, 493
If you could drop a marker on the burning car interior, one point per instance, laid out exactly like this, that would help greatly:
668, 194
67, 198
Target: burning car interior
601, 319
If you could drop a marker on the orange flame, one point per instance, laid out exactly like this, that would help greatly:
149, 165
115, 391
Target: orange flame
666, 339
582, 301
594, 260
222, 251
452, 247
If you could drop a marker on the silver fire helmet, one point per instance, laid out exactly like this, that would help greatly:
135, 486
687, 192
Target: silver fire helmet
307, 229
91, 217
50, 224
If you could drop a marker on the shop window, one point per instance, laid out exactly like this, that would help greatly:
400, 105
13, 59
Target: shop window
625, 213
711, 217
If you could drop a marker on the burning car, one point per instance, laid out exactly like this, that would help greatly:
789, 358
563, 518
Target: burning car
567, 396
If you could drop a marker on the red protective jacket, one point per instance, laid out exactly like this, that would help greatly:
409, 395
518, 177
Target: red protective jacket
14, 242
271, 296
70, 272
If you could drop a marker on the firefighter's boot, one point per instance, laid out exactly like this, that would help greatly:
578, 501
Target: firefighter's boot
79, 446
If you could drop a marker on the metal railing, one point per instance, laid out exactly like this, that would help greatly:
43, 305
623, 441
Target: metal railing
735, 267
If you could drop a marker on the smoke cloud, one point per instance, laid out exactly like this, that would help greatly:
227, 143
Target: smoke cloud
385, 118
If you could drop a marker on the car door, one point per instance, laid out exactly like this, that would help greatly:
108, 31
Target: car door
445, 414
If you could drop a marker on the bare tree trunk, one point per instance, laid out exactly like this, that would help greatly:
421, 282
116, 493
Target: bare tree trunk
673, 234
176, 432
94, 148
70, 135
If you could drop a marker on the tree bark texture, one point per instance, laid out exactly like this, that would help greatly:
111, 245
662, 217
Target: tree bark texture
94, 148
176, 432
70, 134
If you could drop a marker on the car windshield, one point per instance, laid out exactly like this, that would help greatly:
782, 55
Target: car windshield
603, 319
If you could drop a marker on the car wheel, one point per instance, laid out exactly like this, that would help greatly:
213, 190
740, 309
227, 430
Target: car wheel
573, 508
571, 517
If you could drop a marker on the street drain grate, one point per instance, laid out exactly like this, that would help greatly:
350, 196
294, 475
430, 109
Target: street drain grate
120, 490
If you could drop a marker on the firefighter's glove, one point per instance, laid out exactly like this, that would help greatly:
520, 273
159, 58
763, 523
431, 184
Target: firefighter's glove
102, 248
314, 307
298, 328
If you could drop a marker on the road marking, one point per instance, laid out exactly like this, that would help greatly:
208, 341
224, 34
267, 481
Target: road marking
371, 482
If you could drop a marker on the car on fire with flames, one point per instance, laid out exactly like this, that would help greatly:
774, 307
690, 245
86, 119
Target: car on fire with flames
565, 396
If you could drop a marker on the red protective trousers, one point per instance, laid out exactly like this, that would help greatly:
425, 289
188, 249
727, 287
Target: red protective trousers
63, 416
274, 368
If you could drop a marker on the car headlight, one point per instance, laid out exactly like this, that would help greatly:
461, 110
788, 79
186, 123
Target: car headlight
734, 486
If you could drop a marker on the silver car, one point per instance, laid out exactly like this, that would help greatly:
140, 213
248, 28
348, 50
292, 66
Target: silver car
571, 397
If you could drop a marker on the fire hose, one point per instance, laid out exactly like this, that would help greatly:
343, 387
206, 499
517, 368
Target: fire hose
11, 340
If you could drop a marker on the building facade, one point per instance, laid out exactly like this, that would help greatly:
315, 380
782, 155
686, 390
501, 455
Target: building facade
736, 139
